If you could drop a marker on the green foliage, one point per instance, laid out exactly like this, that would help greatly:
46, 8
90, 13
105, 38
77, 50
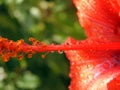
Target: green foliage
50, 21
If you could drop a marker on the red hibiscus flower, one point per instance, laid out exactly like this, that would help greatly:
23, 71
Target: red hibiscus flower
94, 62
96, 69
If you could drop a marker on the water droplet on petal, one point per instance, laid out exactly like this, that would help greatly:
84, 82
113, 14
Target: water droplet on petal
90, 67
90, 76
81, 75
73, 63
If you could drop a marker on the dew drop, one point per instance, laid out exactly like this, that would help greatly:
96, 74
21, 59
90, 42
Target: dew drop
90, 76
84, 81
73, 63
60, 52
90, 67
43, 56
81, 75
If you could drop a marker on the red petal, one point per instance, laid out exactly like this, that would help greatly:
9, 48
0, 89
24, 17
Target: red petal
114, 84
100, 18
92, 69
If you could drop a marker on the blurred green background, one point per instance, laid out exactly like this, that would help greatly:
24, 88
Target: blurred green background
50, 21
